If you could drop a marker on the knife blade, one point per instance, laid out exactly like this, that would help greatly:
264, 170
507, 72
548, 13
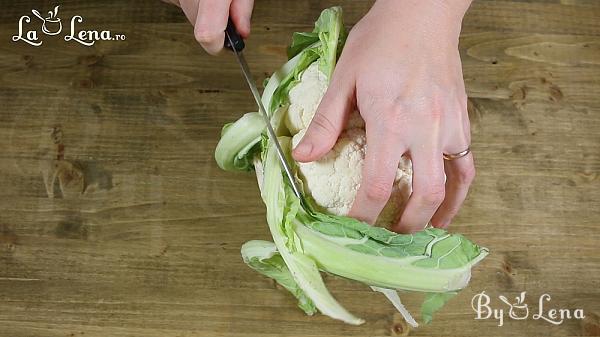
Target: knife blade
235, 43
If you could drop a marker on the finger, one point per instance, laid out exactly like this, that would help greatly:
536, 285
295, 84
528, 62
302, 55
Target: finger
210, 25
378, 174
241, 12
173, 2
190, 9
460, 173
428, 191
329, 119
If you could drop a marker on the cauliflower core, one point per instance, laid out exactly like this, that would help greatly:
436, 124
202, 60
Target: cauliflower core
333, 181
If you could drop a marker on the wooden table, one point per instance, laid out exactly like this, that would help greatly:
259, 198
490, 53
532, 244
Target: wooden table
143, 238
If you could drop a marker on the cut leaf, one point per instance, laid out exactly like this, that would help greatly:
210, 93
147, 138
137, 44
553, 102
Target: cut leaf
263, 257
392, 296
434, 302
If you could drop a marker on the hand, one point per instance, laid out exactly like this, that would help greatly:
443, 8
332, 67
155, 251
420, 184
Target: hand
402, 69
209, 18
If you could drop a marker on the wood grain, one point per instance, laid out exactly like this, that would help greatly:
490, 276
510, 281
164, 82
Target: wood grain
140, 233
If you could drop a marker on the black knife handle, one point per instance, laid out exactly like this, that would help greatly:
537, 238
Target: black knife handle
237, 42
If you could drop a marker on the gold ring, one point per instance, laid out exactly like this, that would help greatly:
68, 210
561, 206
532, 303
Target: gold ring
453, 156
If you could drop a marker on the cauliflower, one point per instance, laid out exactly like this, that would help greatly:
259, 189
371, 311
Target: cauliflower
305, 97
306, 241
333, 181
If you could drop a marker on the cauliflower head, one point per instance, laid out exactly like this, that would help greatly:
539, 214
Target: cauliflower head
333, 181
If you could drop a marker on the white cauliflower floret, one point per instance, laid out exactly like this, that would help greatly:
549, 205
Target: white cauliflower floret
333, 181
305, 97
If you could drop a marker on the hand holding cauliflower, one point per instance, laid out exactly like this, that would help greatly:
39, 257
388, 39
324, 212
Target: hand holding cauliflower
401, 68
334, 180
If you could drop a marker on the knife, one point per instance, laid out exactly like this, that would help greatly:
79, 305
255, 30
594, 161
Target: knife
235, 43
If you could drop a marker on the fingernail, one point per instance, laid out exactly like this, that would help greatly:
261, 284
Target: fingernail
303, 149
443, 224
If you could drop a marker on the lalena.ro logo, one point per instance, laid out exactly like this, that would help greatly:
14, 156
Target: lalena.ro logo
29, 30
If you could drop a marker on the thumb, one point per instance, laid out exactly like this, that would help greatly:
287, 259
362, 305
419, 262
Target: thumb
241, 12
328, 122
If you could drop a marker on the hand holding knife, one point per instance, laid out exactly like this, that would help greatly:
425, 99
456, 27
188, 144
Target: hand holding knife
235, 43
